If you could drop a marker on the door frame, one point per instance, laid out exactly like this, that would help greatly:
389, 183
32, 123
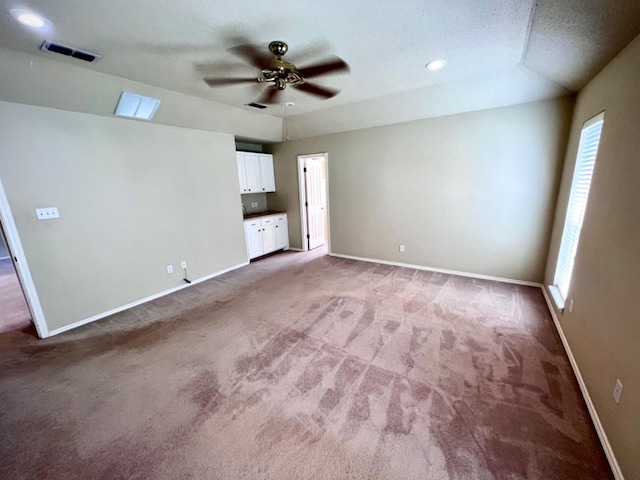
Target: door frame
302, 190
21, 266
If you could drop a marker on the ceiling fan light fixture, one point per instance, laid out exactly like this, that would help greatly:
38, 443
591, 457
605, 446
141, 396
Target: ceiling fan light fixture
29, 18
435, 65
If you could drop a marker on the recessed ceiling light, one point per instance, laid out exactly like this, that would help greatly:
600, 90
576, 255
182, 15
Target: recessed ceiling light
28, 18
436, 65
289, 104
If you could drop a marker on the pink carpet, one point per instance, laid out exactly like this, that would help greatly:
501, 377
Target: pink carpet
303, 366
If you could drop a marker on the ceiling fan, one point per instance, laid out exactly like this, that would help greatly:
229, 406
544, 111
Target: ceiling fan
279, 73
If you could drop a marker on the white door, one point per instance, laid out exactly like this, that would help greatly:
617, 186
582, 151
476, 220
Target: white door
315, 201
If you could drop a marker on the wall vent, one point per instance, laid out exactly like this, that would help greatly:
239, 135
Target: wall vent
50, 46
256, 105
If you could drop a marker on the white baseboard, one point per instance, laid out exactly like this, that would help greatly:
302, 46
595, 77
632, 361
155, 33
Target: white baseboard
606, 446
439, 270
293, 249
141, 301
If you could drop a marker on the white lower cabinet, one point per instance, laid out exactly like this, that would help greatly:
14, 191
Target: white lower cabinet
254, 242
266, 234
282, 232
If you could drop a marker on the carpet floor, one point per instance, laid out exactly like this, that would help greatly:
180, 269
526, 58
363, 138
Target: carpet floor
303, 366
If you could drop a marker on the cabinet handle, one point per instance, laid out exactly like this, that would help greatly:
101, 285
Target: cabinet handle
249, 189
276, 226
263, 188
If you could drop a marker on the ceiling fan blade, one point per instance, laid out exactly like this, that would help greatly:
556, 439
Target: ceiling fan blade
270, 96
252, 54
334, 66
317, 90
221, 81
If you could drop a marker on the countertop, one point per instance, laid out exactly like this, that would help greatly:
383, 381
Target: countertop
249, 216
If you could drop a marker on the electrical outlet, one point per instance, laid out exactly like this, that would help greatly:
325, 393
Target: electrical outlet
183, 264
571, 305
401, 248
47, 213
254, 204
617, 390
169, 268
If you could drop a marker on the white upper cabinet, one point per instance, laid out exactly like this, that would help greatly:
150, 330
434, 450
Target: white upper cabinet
255, 172
252, 171
242, 173
266, 173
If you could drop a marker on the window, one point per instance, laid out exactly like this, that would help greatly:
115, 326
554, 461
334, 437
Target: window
587, 150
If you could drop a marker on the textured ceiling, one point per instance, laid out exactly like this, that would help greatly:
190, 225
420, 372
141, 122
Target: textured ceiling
498, 51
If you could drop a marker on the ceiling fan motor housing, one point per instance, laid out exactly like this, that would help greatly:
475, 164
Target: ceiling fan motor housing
282, 74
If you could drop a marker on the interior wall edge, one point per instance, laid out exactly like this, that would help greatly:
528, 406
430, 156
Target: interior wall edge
602, 434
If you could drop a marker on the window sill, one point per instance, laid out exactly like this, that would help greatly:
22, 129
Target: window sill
557, 297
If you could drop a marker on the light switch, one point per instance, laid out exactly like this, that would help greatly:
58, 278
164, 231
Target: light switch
47, 213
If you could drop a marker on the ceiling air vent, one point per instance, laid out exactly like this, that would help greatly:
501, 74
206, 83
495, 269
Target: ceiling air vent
256, 105
50, 46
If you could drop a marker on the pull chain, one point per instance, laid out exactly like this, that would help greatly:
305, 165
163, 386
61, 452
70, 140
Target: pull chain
285, 126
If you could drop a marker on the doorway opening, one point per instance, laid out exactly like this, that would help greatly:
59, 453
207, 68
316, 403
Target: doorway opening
14, 311
314, 205
19, 303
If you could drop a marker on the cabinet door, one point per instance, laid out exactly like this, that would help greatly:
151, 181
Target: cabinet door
269, 238
252, 169
242, 173
267, 178
254, 242
282, 235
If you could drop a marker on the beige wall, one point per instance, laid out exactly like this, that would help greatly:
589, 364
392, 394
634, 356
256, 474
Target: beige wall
259, 198
473, 192
133, 198
604, 329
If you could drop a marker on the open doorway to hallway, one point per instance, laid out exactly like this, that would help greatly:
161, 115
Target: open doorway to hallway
14, 312
314, 219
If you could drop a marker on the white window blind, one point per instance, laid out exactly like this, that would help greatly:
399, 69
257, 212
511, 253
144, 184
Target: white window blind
587, 151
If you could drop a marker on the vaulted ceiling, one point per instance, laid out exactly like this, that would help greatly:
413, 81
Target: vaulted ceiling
498, 52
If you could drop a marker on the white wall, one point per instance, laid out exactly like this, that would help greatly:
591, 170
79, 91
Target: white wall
133, 198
